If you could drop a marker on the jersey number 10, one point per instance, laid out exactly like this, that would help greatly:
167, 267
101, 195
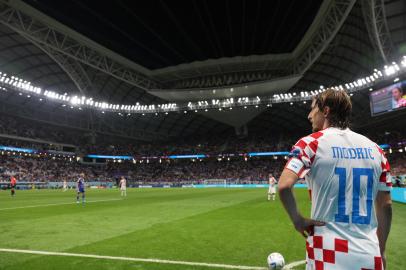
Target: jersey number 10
356, 218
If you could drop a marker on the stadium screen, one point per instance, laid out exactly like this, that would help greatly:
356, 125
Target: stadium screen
387, 99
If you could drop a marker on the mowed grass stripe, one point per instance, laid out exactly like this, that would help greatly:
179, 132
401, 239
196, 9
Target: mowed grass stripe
69, 226
242, 234
55, 204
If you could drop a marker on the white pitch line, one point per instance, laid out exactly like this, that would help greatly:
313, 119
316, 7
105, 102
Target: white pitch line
294, 264
149, 260
53, 204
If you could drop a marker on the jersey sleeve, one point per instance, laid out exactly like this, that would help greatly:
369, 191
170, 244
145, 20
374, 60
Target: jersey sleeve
303, 154
385, 180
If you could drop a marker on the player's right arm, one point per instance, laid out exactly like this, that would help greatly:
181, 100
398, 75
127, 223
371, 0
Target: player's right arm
286, 183
303, 154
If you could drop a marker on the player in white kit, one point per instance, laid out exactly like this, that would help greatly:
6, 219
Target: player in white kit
123, 186
349, 184
272, 188
65, 185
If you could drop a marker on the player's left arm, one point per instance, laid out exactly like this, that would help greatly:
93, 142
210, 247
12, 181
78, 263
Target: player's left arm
286, 183
384, 216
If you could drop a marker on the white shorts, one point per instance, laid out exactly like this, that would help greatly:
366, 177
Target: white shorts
327, 250
123, 188
272, 190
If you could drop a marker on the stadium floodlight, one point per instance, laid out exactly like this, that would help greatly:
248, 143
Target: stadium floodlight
403, 62
23, 86
389, 70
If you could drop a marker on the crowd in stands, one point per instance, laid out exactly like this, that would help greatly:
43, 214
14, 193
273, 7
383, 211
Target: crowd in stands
105, 145
33, 169
49, 169
28, 129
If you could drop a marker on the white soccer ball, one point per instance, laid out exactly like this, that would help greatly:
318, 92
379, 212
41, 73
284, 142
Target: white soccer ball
275, 261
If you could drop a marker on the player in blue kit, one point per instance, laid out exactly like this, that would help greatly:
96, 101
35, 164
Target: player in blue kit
80, 188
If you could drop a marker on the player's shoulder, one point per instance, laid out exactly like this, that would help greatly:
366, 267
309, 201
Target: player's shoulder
311, 138
362, 139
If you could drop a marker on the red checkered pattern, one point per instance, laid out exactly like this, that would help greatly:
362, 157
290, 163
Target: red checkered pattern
328, 256
384, 180
377, 264
305, 150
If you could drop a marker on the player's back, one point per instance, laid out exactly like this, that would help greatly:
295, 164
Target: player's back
345, 177
346, 170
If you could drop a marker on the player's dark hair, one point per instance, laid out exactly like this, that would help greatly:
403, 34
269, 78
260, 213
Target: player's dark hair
340, 107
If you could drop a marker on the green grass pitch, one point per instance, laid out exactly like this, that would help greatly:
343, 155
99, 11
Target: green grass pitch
226, 226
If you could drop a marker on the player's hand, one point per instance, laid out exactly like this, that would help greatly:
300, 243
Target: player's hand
383, 259
305, 226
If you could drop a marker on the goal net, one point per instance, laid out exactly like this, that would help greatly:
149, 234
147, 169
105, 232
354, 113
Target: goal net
217, 182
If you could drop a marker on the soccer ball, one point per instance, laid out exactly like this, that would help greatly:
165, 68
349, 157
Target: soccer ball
275, 261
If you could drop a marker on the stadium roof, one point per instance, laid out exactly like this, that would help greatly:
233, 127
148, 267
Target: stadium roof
167, 51
158, 34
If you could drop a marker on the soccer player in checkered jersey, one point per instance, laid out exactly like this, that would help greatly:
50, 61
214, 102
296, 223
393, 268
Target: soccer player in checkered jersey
349, 184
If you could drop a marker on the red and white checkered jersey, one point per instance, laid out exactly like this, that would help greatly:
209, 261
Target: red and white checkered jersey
344, 171
272, 181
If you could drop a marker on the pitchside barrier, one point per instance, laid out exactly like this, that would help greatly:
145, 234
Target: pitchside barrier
398, 193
